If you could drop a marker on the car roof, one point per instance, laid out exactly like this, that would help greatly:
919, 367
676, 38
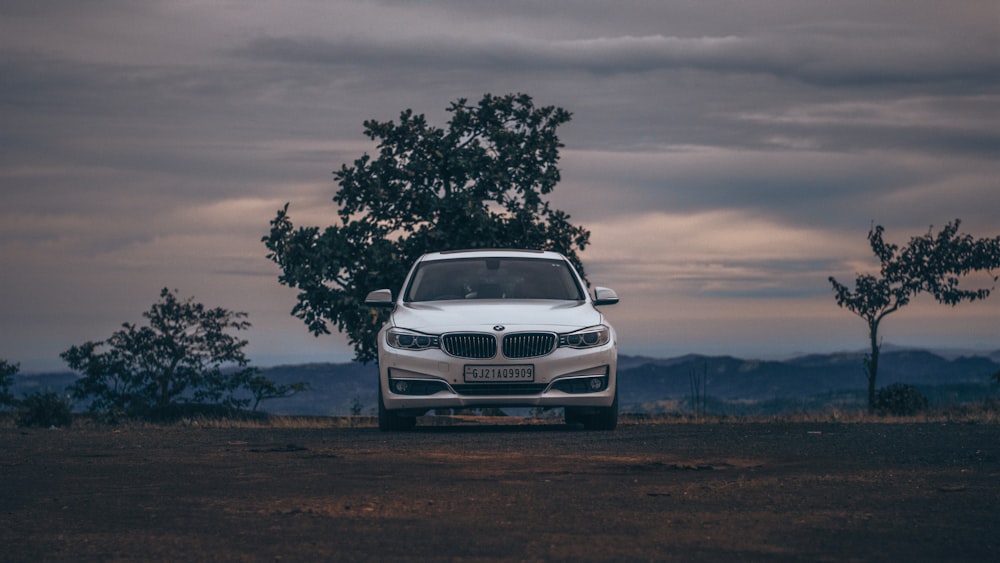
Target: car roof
491, 253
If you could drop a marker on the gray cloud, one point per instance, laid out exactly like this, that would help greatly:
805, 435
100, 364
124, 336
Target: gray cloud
834, 60
728, 156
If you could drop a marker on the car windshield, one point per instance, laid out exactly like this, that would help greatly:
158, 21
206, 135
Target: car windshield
493, 278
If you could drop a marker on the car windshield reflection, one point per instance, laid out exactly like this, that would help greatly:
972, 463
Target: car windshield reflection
493, 278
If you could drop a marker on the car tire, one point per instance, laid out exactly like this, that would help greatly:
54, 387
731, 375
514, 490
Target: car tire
388, 421
573, 416
606, 418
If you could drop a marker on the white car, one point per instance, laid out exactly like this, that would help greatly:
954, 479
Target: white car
496, 328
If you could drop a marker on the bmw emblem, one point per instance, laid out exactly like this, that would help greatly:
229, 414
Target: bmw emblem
499, 328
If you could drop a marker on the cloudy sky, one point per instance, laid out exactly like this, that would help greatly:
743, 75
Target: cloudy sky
727, 156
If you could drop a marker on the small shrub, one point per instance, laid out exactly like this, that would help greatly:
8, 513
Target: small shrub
356, 406
45, 409
7, 373
900, 399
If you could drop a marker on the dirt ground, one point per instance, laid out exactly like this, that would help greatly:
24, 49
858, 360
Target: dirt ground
663, 492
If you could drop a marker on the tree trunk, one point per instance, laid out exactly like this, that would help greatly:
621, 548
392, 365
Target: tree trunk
871, 364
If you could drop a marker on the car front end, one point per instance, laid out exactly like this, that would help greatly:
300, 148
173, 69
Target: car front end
511, 347
497, 364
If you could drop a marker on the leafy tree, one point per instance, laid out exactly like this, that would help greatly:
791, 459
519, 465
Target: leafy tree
7, 373
930, 263
183, 355
479, 183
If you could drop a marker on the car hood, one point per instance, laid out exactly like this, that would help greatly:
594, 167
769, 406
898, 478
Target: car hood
451, 316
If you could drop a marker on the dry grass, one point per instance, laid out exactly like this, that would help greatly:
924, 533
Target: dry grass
981, 412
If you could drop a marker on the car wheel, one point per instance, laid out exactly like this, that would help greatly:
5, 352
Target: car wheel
389, 421
572, 417
606, 418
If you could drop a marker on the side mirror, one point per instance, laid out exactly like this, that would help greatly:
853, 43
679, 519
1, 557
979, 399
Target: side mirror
605, 296
380, 298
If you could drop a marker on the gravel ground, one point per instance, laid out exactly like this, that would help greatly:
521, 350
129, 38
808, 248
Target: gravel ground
656, 492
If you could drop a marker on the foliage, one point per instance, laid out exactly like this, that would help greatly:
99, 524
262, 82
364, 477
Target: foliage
7, 373
264, 388
900, 399
183, 355
477, 184
934, 264
45, 409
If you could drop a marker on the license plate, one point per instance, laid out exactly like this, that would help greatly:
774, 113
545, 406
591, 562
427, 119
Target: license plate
489, 374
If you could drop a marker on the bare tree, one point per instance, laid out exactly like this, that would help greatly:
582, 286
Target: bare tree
698, 381
264, 388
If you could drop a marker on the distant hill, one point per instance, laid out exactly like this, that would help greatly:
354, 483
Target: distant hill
644, 381
655, 384
333, 389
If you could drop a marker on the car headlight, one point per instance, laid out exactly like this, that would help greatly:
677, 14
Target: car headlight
410, 340
586, 338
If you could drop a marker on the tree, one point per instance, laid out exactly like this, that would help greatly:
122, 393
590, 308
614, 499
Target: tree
935, 264
7, 373
477, 184
184, 355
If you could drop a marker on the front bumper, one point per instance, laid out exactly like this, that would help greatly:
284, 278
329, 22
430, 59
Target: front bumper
434, 380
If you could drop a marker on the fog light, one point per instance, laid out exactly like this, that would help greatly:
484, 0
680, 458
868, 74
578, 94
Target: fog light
596, 384
401, 386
